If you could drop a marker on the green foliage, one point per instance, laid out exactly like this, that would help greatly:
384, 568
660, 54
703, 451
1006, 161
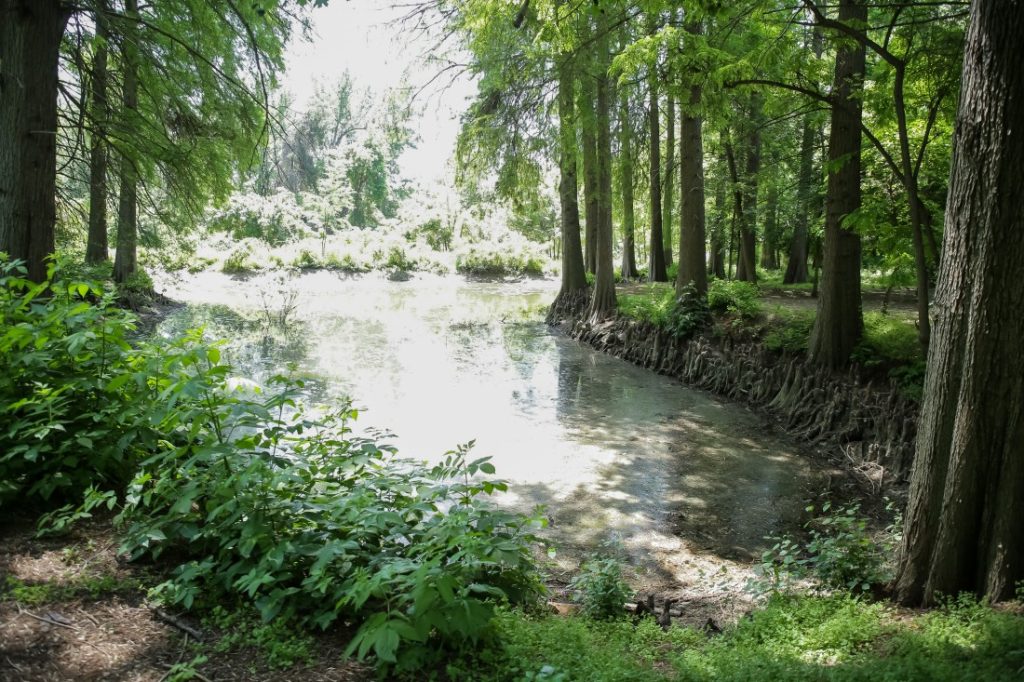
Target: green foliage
289, 511
74, 394
494, 261
791, 637
789, 331
306, 260
734, 297
278, 641
239, 262
891, 343
654, 305
186, 671
840, 552
601, 589
81, 587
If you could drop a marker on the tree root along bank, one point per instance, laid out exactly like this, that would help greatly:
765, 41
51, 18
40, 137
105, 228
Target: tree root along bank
871, 424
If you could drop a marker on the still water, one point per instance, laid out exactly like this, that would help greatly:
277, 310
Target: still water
685, 484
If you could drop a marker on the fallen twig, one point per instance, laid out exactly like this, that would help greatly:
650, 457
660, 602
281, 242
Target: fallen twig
167, 618
48, 621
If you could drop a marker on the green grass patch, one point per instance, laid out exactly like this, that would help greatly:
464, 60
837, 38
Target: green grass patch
89, 587
791, 638
654, 304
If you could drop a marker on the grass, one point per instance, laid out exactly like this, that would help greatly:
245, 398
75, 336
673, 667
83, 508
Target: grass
889, 346
790, 638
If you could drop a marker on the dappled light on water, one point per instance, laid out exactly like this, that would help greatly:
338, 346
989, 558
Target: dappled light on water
686, 483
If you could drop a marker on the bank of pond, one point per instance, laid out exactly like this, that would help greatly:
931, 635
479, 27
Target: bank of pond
246, 528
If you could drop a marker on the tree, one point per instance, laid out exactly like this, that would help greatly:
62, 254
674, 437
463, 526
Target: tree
574, 277
962, 529
692, 237
668, 194
626, 187
30, 34
96, 243
839, 324
602, 302
656, 254
126, 258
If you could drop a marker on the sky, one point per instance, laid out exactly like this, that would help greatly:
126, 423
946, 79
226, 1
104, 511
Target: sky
358, 35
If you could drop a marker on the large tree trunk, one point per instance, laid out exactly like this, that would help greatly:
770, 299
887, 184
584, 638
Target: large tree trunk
126, 258
626, 185
30, 34
748, 226
839, 323
796, 268
670, 166
692, 256
96, 245
574, 278
656, 254
588, 134
603, 302
962, 530
745, 266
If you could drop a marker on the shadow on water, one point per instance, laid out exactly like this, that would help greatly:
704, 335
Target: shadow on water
675, 477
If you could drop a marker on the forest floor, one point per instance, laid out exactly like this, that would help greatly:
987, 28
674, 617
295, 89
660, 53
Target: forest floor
71, 609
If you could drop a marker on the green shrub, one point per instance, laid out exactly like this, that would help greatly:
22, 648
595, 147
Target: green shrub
840, 553
654, 305
891, 343
397, 260
306, 260
293, 513
239, 262
734, 297
601, 589
73, 393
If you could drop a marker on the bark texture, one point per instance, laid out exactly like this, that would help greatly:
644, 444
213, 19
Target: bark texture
602, 303
667, 196
656, 253
692, 230
588, 135
30, 34
962, 530
573, 275
796, 268
626, 185
126, 258
839, 323
96, 244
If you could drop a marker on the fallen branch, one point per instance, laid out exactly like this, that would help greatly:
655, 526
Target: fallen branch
168, 619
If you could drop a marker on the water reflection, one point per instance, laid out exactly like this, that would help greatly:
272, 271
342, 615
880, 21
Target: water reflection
610, 449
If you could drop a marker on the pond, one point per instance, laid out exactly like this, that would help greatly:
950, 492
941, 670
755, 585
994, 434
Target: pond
686, 485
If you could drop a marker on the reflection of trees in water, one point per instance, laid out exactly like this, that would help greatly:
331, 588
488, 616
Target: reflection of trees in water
254, 348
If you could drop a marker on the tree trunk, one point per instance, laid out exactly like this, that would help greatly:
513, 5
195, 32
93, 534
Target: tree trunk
745, 266
748, 227
692, 238
962, 530
603, 302
670, 167
839, 323
96, 245
771, 228
573, 275
590, 189
796, 268
30, 35
656, 256
626, 185
126, 258
718, 245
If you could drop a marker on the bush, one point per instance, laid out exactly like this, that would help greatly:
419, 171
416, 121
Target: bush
790, 331
841, 553
306, 260
239, 262
290, 511
601, 589
733, 297
73, 393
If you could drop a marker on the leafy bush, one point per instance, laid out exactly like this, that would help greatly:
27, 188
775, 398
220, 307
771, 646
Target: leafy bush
71, 416
493, 262
841, 552
238, 262
601, 589
306, 260
288, 510
654, 305
734, 297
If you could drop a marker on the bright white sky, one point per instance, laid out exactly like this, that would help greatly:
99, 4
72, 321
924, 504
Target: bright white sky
356, 35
